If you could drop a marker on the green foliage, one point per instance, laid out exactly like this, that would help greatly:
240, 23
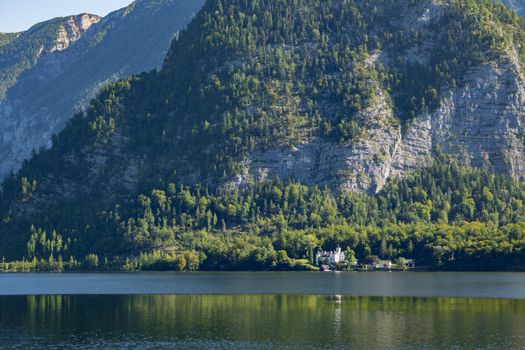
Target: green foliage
6, 38
445, 216
247, 75
91, 261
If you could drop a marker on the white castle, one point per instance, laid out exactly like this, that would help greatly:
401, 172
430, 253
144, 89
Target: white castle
330, 258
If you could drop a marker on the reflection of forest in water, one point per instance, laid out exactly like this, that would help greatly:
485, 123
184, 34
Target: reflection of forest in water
280, 320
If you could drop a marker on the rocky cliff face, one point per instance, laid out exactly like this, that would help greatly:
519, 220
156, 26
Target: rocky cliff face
72, 30
84, 54
480, 122
362, 166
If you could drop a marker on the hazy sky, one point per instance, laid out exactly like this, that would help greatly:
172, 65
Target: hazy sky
19, 15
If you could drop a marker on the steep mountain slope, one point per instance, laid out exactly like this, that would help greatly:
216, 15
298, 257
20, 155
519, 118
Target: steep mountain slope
57, 66
22, 52
343, 94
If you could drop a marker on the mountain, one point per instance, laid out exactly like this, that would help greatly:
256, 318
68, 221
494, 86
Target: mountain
21, 52
54, 69
276, 126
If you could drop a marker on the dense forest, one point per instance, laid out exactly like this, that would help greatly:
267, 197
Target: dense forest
6, 38
138, 180
446, 217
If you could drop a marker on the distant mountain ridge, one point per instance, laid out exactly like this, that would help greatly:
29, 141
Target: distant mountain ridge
22, 52
53, 69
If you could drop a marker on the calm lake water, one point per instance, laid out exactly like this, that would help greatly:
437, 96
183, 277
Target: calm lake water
263, 311
431, 284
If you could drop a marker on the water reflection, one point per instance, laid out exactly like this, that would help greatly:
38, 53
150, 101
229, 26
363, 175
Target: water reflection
260, 322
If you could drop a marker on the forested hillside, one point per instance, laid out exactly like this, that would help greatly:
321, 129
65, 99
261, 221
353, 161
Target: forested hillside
279, 127
56, 67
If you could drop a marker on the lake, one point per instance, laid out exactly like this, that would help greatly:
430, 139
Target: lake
429, 284
263, 311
